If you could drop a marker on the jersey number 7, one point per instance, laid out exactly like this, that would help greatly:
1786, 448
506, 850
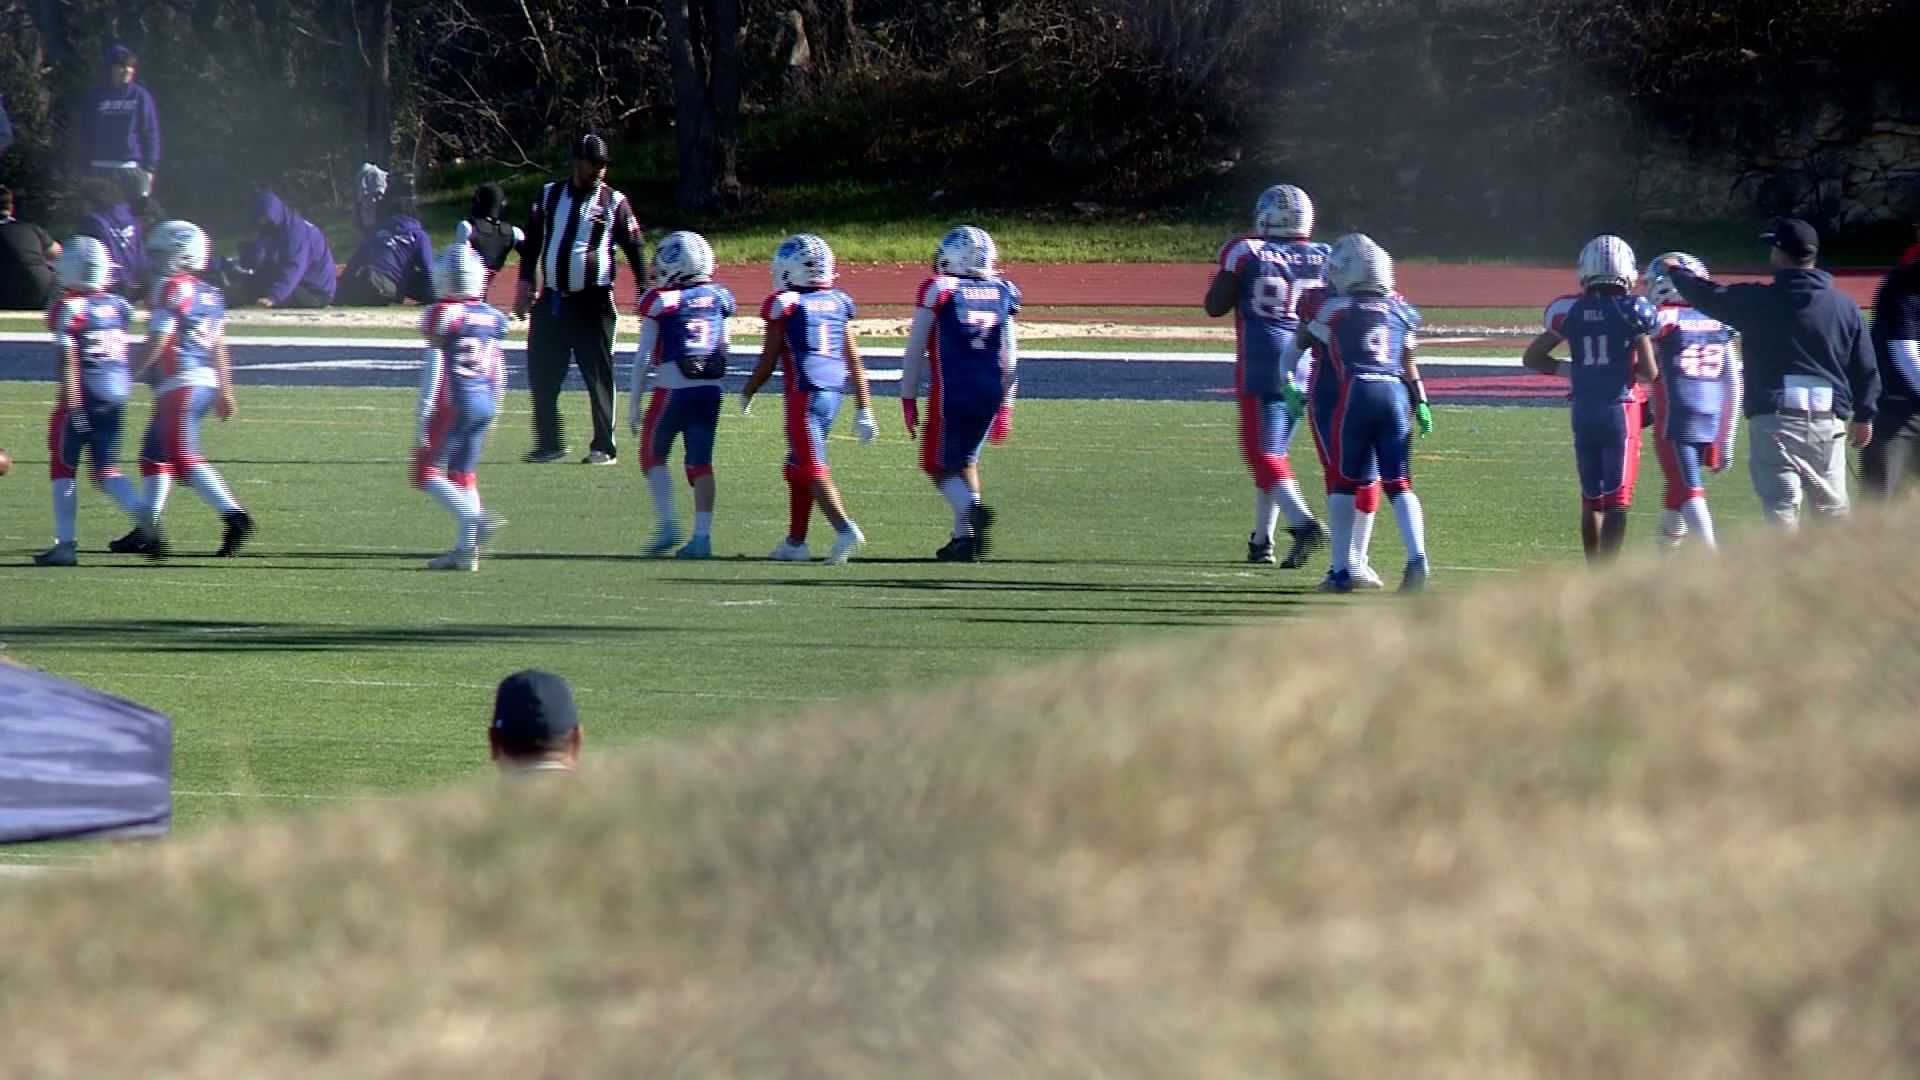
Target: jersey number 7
981, 324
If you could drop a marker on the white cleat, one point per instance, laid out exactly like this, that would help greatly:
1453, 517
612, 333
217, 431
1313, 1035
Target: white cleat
456, 560
791, 553
844, 545
1364, 577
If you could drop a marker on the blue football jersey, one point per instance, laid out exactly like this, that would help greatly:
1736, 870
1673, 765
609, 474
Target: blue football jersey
1364, 337
1273, 274
1695, 356
189, 314
690, 334
1600, 330
95, 326
467, 336
972, 323
815, 325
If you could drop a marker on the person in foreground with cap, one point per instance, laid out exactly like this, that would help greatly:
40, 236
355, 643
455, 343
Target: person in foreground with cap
566, 284
1812, 382
534, 727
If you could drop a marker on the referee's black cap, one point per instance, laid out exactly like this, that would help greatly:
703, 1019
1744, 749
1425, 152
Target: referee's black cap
590, 147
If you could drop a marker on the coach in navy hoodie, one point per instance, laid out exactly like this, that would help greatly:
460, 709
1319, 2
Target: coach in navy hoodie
1811, 377
118, 128
292, 265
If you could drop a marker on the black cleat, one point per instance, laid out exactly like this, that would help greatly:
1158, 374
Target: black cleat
1259, 551
1307, 539
958, 549
239, 529
542, 457
134, 543
981, 519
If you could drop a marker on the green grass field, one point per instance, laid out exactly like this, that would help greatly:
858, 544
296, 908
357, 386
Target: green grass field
327, 661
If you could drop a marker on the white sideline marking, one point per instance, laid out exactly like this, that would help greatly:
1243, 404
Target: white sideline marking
278, 795
383, 684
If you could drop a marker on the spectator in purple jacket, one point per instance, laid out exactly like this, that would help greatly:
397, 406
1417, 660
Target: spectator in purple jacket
290, 263
393, 263
106, 217
118, 128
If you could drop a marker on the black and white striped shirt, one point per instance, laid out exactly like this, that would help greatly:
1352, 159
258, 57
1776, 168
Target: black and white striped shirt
573, 234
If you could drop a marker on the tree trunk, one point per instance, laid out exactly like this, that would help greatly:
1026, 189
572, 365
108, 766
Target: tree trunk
724, 100
703, 46
380, 85
689, 106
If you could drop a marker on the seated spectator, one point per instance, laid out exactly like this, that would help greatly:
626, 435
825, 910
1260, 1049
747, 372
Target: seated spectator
370, 191
534, 727
287, 264
493, 238
393, 263
106, 216
27, 254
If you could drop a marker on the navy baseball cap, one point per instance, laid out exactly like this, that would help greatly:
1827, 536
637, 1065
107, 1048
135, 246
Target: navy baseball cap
119, 54
591, 147
533, 707
1793, 236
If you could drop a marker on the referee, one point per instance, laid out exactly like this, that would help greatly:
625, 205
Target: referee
566, 281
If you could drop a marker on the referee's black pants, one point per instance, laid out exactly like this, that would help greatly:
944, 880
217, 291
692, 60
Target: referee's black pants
574, 328
1891, 462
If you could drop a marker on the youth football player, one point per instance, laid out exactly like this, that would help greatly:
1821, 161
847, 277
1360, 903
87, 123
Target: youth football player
963, 343
463, 379
89, 327
810, 338
1609, 333
1262, 279
1695, 400
1366, 498
187, 351
1367, 401
683, 348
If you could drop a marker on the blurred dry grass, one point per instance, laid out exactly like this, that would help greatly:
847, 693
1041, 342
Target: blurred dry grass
1659, 823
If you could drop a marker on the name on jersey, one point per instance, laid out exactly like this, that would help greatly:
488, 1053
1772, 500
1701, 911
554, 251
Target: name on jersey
979, 292
825, 305
1591, 315
693, 302
1698, 326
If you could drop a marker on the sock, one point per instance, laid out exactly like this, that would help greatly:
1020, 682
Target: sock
122, 492
1340, 520
1412, 522
470, 518
1285, 494
662, 485
1266, 514
159, 486
1698, 520
455, 499
66, 509
703, 523
1362, 545
207, 483
799, 504
960, 497
1673, 528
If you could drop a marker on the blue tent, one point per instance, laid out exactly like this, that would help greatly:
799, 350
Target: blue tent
75, 762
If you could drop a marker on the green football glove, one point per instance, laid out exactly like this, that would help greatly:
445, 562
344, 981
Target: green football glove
1423, 416
1296, 402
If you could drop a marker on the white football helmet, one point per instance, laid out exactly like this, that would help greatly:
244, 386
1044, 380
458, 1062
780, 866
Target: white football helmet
1283, 213
84, 265
803, 260
175, 246
459, 274
1358, 265
1607, 260
683, 258
1660, 286
967, 252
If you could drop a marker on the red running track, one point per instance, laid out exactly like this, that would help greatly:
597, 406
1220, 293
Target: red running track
1180, 284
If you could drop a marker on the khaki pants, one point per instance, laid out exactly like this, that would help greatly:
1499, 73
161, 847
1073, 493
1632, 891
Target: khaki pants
1792, 456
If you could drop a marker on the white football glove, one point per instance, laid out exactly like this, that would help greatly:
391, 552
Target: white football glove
864, 427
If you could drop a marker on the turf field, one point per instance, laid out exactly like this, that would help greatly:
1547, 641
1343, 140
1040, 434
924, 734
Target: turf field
327, 662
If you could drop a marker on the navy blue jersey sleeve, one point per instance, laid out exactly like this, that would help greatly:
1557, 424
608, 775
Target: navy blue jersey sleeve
1897, 315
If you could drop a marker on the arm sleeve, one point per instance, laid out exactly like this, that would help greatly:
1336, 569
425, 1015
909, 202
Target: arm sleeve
1863, 372
1734, 379
430, 374
1727, 303
1010, 361
423, 253
643, 362
1905, 356
913, 363
149, 131
535, 239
